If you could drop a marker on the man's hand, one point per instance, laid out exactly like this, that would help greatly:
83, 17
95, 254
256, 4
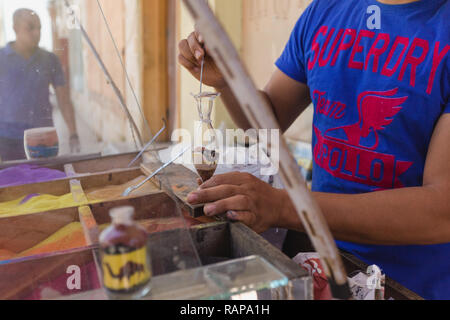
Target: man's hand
192, 51
244, 198
74, 144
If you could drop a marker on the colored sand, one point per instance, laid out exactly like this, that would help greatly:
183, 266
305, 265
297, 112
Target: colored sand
115, 191
6, 255
69, 237
35, 204
29, 197
26, 174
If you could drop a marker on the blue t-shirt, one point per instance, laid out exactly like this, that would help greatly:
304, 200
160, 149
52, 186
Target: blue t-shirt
24, 90
379, 77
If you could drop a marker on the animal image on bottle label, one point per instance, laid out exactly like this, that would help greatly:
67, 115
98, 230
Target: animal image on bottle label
124, 272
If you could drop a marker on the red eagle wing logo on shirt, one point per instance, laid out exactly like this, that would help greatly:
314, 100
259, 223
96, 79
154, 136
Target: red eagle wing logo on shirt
351, 160
376, 111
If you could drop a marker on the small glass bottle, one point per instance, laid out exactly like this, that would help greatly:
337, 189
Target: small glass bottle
205, 150
126, 264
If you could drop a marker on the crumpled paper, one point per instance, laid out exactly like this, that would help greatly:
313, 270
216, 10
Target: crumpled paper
364, 285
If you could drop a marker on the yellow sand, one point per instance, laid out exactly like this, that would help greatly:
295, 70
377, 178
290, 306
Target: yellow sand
41, 203
44, 203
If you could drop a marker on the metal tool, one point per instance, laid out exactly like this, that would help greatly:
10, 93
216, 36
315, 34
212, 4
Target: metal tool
201, 74
148, 144
134, 188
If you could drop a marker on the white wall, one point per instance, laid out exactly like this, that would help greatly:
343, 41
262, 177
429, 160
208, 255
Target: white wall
39, 6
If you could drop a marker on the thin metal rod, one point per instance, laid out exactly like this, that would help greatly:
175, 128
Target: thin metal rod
132, 189
201, 74
107, 74
148, 144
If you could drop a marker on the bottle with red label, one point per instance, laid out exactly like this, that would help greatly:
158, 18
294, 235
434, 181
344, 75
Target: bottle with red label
126, 265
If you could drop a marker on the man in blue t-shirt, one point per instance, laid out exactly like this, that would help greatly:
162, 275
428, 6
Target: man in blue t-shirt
378, 73
26, 73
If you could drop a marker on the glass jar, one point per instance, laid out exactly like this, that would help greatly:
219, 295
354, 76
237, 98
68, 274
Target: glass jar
206, 144
125, 259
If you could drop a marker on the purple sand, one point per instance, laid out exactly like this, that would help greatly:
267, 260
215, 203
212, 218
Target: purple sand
26, 174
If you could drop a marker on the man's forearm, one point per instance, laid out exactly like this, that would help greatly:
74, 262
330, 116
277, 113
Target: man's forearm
410, 216
68, 113
67, 109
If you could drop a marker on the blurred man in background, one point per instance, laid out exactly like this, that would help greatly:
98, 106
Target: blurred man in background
26, 73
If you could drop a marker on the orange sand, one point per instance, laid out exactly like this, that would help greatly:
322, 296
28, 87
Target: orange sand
6, 255
115, 192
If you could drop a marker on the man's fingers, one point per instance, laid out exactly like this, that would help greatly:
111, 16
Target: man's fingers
196, 47
199, 37
233, 178
185, 51
235, 203
212, 194
202, 43
187, 64
201, 40
246, 217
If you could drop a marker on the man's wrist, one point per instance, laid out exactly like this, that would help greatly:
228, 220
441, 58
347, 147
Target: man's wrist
223, 88
74, 136
288, 217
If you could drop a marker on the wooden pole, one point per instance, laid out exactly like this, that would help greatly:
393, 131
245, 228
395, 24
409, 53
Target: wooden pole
155, 65
260, 115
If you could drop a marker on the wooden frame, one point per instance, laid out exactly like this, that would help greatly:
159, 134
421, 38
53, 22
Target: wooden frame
260, 115
182, 182
155, 64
